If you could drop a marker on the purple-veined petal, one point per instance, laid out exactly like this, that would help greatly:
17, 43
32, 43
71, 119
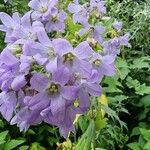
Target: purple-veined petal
43, 38
40, 60
62, 46
94, 89
6, 20
57, 104
18, 82
39, 82
83, 50
51, 66
8, 104
39, 102
69, 92
61, 76
84, 68
8, 58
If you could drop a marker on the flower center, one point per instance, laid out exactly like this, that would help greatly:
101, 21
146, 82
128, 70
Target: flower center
54, 18
76, 103
68, 57
43, 9
51, 52
97, 62
53, 88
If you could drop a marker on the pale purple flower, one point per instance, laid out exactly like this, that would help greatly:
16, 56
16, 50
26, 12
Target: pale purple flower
25, 118
42, 8
7, 104
98, 5
53, 92
80, 14
113, 46
56, 22
104, 64
94, 32
117, 25
72, 57
27, 30
9, 24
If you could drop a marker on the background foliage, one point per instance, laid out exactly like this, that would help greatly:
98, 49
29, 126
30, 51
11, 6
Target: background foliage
122, 115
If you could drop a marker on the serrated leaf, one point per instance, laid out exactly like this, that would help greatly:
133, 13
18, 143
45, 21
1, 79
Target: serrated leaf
134, 146
132, 83
3, 136
145, 133
23, 147
142, 89
13, 144
118, 98
143, 62
113, 85
122, 67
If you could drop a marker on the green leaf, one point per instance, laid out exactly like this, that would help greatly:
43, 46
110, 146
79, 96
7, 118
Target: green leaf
118, 98
135, 131
13, 144
145, 133
1, 124
85, 142
112, 85
147, 146
36, 146
134, 146
83, 123
23, 147
145, 101
142, 89
3, 136
72, 29
100, 122
123, 68
143, 62
132, 83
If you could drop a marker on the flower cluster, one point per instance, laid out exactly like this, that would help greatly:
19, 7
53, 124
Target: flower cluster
43, 77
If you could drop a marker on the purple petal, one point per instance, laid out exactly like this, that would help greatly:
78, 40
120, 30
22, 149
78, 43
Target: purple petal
18, 82
61, 76
83, 31
84, 68
40, 60
34, 4
69, 92
26, 20
8, 104
117, 25
84, 99
43, 37
57, 104
83, 50
94, 89
6, 20
8, 58
62, 46
74, 8
39, 82
39, 102
51, 66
